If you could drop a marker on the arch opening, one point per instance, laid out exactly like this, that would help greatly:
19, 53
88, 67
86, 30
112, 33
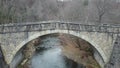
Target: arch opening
96, 53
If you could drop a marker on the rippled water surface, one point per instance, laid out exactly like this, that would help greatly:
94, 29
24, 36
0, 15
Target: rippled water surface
49, 55
50, 58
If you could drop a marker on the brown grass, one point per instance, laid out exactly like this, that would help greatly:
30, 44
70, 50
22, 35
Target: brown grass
78, 50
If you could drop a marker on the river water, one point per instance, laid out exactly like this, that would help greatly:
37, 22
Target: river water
50, 58
49, 55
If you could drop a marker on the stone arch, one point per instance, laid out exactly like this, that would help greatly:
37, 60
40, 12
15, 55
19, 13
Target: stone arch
93, 38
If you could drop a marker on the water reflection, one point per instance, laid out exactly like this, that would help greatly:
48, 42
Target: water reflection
50, 58
49, 55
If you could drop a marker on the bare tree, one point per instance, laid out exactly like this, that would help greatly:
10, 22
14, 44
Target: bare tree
102, 7
74, 11
41, 10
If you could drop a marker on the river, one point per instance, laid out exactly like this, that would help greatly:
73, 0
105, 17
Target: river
49, 55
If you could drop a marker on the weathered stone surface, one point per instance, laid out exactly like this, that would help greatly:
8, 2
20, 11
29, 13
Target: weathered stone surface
11, 43
115, 57
94, 38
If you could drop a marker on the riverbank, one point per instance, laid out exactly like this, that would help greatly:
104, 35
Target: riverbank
78, 50
28, 52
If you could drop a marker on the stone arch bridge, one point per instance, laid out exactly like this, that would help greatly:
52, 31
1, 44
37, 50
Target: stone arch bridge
14, 36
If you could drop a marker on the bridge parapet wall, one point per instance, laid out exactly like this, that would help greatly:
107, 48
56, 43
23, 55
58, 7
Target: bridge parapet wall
29, 27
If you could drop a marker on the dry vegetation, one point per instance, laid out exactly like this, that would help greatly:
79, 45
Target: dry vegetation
97, 11
28, 52
78, 50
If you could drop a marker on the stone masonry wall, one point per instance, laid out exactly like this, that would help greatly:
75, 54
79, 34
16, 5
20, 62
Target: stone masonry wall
11, 43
